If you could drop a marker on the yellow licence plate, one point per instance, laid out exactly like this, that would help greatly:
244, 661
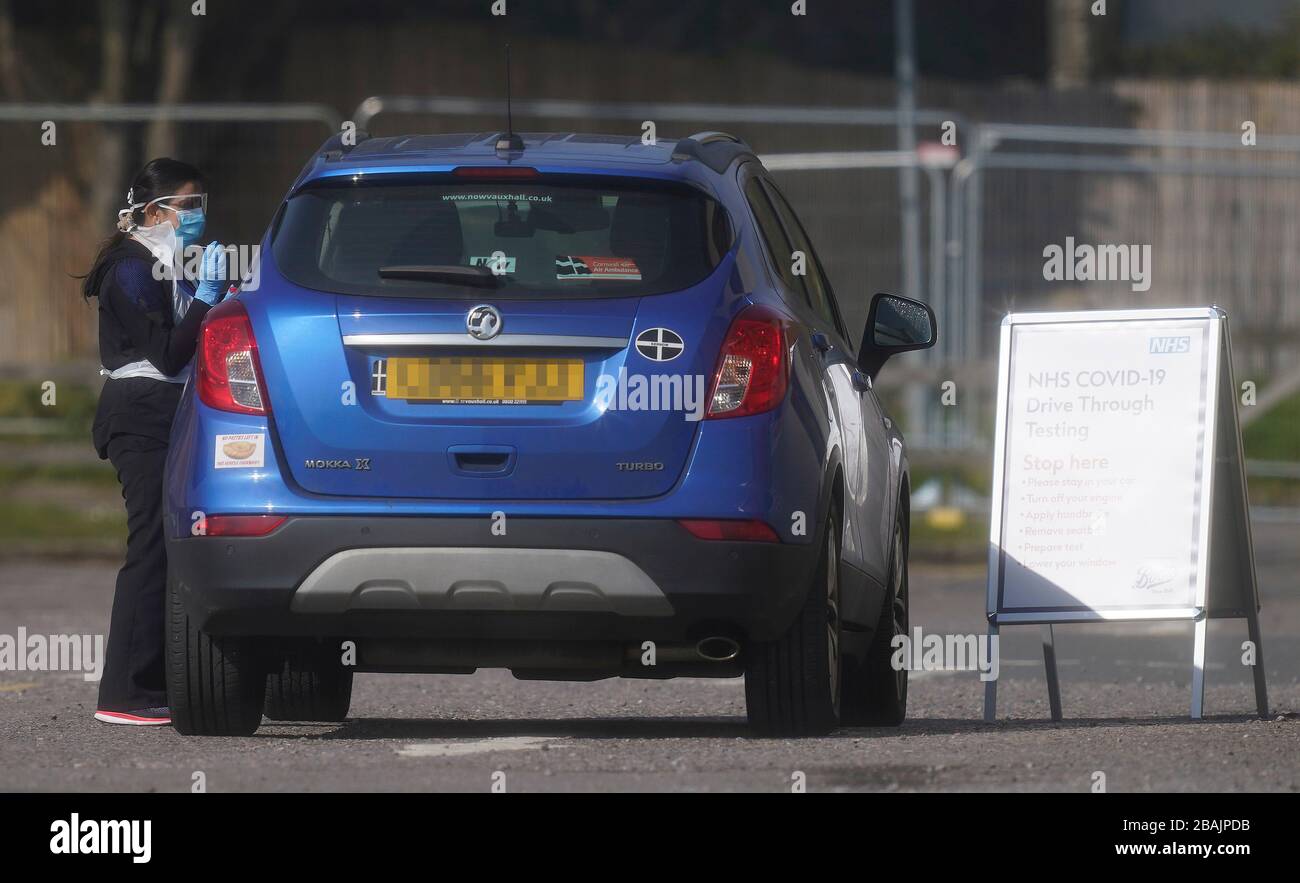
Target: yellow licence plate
485, 379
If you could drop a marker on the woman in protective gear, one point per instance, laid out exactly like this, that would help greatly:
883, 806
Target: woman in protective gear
149, 318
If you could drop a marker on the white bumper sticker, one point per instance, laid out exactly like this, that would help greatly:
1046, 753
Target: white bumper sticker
241, 451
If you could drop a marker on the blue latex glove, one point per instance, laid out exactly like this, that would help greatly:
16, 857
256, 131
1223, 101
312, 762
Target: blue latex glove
212, 283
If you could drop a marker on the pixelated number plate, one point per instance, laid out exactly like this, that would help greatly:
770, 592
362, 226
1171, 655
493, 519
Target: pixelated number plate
485, 380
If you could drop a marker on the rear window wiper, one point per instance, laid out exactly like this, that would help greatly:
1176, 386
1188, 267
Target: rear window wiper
449, 274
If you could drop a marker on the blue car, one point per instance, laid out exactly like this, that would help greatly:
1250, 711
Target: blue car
568, 404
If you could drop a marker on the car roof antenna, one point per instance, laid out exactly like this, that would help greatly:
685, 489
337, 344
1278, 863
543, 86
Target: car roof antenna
509, 141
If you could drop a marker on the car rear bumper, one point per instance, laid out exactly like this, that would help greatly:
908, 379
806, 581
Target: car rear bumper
562, 579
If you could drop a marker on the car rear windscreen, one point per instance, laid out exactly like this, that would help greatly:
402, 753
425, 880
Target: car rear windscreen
548, 237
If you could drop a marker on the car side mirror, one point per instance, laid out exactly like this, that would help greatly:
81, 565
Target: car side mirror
895, 325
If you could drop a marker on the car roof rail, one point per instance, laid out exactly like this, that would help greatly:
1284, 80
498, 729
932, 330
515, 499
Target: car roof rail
717, 150
336, 148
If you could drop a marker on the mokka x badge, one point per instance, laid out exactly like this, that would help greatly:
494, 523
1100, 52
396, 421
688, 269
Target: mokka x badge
360, 464
659, 344
483, 322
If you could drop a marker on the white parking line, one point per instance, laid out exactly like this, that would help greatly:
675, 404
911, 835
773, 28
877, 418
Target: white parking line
476, 746
1176, 666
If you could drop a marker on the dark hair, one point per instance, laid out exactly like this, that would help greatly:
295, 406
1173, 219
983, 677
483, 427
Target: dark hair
159, 177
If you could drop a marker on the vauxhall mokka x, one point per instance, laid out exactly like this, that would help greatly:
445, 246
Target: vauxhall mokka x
572, 405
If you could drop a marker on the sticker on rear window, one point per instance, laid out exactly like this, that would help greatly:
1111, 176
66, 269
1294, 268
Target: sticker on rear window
568, 267
498, 263
247, 450
495, 197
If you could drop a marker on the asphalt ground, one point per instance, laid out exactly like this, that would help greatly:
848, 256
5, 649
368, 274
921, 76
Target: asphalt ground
1125, 692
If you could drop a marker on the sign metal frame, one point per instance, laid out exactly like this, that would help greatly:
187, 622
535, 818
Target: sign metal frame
1221, 450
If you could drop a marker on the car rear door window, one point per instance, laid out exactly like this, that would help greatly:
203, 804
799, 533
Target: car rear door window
778, 246
818, 288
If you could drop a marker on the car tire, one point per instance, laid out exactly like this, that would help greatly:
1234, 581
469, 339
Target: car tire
875, 693
311, 685
792, 684
215, 684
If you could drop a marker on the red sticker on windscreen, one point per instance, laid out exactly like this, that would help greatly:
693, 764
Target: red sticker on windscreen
588, 267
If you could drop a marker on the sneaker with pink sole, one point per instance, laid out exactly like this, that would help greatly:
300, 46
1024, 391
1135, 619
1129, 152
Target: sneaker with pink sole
140, 717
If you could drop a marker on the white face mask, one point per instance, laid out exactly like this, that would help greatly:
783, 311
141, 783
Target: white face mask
162, 242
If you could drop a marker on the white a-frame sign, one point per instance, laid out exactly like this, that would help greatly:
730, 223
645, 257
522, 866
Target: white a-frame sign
1119, 487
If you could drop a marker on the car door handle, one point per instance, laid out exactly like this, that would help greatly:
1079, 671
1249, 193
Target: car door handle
821, 341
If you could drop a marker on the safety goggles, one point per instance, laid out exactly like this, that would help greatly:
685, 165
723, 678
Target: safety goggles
181, 202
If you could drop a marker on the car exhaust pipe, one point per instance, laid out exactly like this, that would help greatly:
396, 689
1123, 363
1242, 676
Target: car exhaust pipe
718, 649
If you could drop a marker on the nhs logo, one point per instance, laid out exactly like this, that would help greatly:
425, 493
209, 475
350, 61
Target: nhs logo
1166, 345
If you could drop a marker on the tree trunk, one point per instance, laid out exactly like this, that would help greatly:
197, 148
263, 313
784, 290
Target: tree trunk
177, 46
11, 82
104, 167
1068, 25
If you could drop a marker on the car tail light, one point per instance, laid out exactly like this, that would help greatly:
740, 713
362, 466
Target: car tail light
713, 529
241, 525
229, 373
751, 375
495, 172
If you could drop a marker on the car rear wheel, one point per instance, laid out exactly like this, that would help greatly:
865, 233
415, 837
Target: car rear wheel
875, 691
792, 684
311, 685
215, 684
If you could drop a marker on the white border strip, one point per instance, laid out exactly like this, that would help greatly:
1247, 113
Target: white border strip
1208, 452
